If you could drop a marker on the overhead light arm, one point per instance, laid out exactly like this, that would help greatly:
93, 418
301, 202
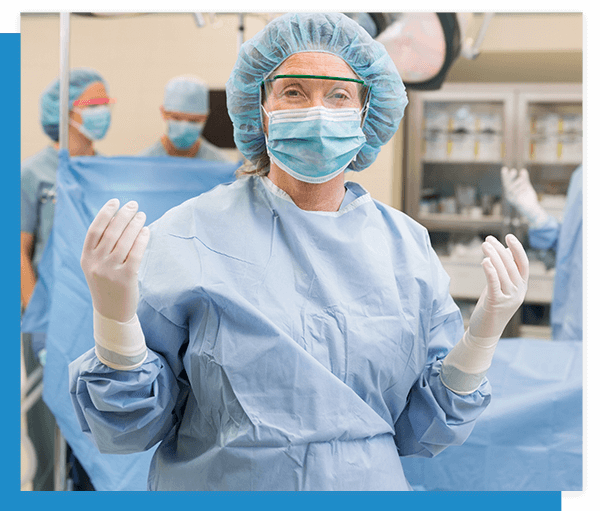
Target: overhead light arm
470, 48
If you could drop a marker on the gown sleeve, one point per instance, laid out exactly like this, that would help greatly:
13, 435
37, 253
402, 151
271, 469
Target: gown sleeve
435, 417
546, 236
131, 411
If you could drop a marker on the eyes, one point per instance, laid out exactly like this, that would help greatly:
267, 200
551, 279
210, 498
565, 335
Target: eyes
336, 95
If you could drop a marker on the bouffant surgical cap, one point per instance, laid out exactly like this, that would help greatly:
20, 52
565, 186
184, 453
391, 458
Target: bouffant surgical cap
333, 33
186, 94
79, 80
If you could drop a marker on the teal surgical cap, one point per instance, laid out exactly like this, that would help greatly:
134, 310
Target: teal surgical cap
186, 94
321, 32
79, 80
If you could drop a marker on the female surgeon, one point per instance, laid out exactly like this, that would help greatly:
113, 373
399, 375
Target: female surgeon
291, 332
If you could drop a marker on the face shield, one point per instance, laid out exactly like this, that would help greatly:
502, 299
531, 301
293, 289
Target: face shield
288, 92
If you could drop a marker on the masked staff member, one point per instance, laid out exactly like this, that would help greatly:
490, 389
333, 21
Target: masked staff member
288, 332
185, 110
89, 120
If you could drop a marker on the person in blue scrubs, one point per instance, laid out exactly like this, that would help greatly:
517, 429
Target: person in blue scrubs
89, 120
566, 239
185, 109
287, 331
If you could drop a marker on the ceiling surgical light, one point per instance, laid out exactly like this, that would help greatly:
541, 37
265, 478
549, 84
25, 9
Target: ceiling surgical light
423, 46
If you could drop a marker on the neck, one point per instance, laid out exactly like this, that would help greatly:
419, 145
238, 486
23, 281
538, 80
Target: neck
326, 196
79, 145
173, 151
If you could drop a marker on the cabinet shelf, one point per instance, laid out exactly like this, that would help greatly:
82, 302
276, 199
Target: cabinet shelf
462, 162
444, 221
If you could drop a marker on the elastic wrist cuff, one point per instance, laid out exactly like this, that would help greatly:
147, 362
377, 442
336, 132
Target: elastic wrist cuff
119, 345
458, 382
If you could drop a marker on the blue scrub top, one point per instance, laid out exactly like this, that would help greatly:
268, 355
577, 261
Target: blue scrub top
288, 349
207, 151
38, 198
566, 313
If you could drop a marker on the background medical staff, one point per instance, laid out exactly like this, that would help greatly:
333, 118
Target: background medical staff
185, 110
566, 238
89, 120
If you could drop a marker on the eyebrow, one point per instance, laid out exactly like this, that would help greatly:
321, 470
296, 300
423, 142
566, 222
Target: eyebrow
318, 77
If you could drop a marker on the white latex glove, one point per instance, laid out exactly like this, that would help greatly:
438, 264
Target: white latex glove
520, 193
507, 272
111, 257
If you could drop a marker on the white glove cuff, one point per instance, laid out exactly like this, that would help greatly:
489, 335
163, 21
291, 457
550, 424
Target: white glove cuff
119, 345
465, 366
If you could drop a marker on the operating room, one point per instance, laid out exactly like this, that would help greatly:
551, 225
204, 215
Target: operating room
487, 141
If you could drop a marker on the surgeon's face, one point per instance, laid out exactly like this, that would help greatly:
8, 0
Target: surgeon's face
289, 88
92, 97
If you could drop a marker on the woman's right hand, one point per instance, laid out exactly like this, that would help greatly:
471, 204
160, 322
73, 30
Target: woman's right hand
111, 258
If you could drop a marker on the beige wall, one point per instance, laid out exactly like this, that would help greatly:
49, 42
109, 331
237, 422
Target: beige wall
138, 54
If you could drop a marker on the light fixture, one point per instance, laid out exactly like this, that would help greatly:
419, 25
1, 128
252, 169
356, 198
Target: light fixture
423, 45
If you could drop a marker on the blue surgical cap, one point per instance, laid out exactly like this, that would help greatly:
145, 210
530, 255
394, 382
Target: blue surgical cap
186, 94
79, 80
326, 32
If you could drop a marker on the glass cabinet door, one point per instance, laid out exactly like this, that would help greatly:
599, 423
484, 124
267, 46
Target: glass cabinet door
551, 141
457, 143
458, 140
549, 146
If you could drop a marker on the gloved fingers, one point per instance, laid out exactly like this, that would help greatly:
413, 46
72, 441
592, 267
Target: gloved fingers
519, 255
524, 175
115, 229
523, 185
134, 258
496, 252
508, 176
127, 239
99, 224
494, 290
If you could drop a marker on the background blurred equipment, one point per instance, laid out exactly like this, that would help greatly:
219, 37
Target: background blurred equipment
423, 45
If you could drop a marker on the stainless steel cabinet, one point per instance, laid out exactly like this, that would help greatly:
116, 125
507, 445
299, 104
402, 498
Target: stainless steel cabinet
458, 140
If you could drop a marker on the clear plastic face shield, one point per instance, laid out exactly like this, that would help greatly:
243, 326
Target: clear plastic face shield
287, 92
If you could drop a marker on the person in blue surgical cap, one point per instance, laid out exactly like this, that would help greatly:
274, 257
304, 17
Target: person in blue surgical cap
566, 239
89, 120
185, 110
288, 331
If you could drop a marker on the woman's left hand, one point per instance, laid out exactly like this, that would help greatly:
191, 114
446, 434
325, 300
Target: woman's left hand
507, 272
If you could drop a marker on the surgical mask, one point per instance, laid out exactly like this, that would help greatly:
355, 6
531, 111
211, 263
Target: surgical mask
96, 121
183, 134
314, 144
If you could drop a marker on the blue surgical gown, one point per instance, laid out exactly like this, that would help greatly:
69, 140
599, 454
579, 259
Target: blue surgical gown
566, 313
288, 349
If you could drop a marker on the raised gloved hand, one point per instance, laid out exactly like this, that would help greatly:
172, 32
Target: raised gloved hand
111, 257
520, 193
507, 272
